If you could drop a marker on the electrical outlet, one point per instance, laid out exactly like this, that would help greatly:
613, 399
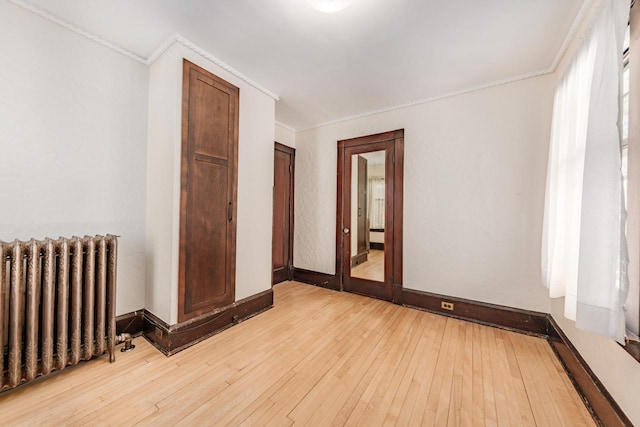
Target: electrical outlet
446, 305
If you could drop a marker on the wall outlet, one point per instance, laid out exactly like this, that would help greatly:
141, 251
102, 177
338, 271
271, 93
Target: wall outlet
446, 305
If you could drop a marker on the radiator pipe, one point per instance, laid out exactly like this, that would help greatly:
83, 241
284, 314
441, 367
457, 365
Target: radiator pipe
126, 339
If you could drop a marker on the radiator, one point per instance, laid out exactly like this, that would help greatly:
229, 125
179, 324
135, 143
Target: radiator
57, 305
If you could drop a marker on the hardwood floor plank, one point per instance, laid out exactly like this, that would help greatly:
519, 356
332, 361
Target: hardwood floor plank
318, 357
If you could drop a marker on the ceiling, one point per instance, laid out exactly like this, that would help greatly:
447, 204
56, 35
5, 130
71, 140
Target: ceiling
374, 55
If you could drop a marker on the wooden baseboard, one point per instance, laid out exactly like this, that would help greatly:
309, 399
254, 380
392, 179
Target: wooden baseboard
603, 407
524, 321
329, 281
377, 246
170, 339
359, 258
130, 323
598, 400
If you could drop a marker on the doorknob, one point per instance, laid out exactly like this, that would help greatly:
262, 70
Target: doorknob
346, 231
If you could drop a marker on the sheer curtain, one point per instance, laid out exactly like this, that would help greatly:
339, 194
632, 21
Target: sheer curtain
584, 254
376, 202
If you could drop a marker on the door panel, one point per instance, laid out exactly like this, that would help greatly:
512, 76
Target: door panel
208, 193
392, 144
282, 253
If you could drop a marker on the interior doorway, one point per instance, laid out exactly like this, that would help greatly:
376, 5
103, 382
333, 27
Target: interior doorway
369, 215
283, 186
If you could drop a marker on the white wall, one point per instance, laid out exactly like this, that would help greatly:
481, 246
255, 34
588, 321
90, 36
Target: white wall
255, 183
475, 170
284, 136
73, 142
614, 367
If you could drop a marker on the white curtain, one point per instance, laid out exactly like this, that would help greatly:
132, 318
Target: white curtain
375, 203
584, 255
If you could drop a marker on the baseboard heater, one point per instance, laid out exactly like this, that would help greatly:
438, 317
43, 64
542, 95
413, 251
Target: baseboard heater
57, 305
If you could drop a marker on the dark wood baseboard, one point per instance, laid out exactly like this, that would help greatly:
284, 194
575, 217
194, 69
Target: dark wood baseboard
598, 400
376, 246
130, 323
170, 339
524, 321
329, 281
359, 259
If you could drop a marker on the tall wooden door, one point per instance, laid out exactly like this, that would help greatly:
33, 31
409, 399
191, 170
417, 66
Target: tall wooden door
209, 171
282, 252
392, 143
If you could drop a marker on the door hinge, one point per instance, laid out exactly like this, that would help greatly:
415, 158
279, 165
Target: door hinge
290, 169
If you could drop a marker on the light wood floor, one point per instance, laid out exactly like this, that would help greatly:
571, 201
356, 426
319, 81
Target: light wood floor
372, 269
317, 358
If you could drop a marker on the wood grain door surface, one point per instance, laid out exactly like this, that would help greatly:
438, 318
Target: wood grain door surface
282, 251
208, 192
392, 143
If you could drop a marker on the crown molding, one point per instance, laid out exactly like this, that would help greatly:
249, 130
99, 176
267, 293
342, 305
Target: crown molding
573, 31
432, 98
69, 26
179, 39
164, 46
283, 126
583, 13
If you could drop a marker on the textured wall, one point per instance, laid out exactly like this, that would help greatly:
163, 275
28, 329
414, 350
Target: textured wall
72, 142
475, 171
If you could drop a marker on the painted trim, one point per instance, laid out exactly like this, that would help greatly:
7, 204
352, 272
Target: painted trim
161, 49
177, 38
431, 99
323, 280
577, 23
74, 28
171, 339
598, 400
283, 126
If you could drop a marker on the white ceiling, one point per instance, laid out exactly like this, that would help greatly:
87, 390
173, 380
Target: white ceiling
375, 54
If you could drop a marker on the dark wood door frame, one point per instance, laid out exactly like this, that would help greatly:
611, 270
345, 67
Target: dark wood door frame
286, 272
393, 144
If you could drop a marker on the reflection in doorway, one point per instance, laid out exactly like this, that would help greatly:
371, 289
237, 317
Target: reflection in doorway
367, 215
390, 287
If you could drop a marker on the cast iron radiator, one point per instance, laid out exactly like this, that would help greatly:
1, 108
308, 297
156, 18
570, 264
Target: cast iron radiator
57, 305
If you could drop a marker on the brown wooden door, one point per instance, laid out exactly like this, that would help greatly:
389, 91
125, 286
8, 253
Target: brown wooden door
208, 192
392, 143
282, 252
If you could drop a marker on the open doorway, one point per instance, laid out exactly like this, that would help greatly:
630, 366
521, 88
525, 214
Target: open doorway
369, 223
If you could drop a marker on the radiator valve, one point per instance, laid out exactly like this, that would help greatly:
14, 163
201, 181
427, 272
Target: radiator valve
126, 339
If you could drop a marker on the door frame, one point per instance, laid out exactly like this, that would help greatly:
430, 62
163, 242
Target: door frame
393, 143
292, 153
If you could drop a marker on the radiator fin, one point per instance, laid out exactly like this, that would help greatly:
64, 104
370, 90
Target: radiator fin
57, 305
